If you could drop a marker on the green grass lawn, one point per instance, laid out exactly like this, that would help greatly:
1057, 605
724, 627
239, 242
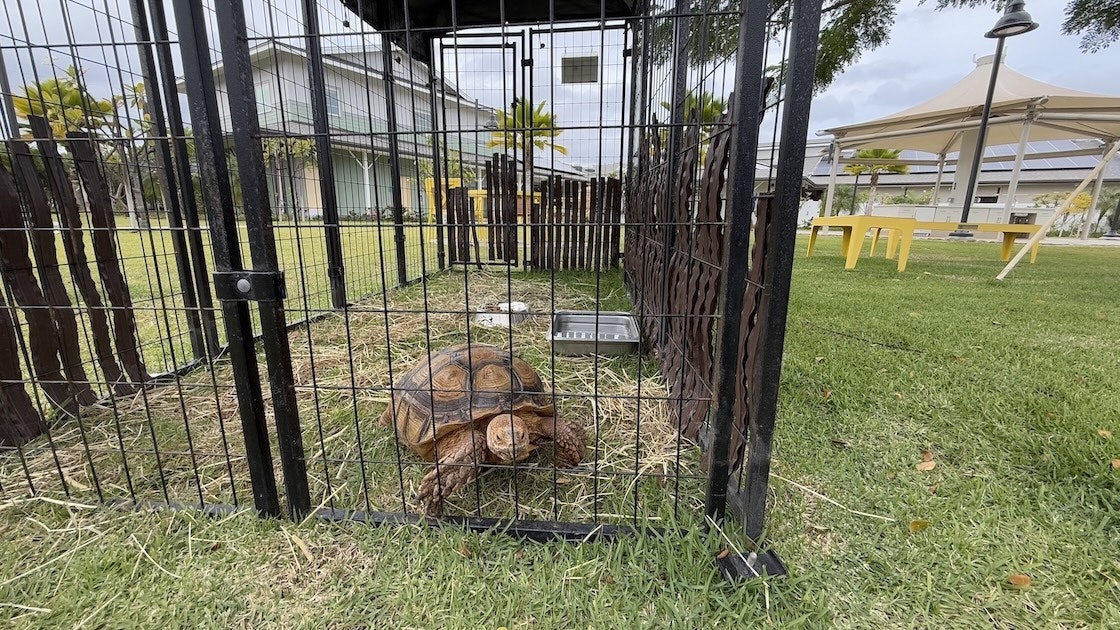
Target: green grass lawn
1008, 389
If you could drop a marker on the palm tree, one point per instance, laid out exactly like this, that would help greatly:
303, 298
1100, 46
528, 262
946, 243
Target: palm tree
874, 169
524, 128
708, 108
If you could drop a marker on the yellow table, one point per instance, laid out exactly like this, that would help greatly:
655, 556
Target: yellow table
901, 232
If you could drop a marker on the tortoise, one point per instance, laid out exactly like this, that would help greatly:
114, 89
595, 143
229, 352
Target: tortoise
472, 405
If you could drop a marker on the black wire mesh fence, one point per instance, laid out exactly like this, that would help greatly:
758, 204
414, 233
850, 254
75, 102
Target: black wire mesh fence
505, 263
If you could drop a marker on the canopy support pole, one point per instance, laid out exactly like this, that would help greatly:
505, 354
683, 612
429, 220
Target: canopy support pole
1013, 185
832, 178
1041, 233
1087, 226
937, 183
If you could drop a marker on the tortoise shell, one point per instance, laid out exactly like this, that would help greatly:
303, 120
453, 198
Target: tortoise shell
462, 385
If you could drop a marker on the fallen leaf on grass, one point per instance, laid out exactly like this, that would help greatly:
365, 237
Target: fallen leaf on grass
918, 525
819, 359
827, 394
927, 456
519, 554
1116, 464
723, 554
926, 466
897, 396
838, 443
935, 487
891, 475
1105, 433
608, 579
915, 315
464, 550
1020, 580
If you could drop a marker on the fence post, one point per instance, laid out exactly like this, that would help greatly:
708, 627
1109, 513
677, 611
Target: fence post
394, 156
779, 265
218, 199
736, 247
238, 73
166, 175
437, 186
185, 177
336, 271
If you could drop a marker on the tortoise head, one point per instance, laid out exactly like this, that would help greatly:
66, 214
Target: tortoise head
508, 439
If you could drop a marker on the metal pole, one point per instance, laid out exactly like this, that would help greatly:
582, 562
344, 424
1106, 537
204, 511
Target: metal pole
394, 157
832, 173
1088, 225
166, 175
746, 101
336, 271
763, 408
855, 193
1013, 185
676, 129
218, 198
6, 96
185, 176
437, 187
978, 157
937, 182
238, 73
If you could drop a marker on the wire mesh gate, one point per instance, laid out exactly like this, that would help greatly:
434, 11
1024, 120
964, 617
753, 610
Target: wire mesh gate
335, 165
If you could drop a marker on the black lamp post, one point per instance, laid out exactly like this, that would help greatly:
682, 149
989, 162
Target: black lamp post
1015, 21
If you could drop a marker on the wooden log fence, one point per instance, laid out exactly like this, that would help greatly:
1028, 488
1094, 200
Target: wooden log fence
50, 349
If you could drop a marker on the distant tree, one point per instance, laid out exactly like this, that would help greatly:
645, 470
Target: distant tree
286, 154
914, 198
876, 169
708, 110
849, 28
843, 202
1096, 21
452, 168
523, 128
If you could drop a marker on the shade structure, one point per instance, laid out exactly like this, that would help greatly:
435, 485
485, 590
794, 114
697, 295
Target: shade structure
938, 124
427, 19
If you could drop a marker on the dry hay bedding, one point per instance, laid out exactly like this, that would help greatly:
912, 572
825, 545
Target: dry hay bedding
342, 388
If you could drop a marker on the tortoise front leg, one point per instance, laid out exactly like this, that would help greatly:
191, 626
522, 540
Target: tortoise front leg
460, 455
570, 439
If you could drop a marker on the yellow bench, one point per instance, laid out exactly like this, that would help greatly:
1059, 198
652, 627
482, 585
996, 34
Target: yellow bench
901, 231
1008, 231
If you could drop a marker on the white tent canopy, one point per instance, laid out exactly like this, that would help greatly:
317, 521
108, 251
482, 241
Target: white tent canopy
1023, 110
937, 124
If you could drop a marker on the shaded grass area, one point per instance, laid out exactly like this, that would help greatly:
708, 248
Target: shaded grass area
1008, 388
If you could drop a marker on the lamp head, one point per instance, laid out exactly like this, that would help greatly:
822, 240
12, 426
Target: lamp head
1014, 21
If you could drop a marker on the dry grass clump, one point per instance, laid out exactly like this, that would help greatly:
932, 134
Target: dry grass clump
343, 367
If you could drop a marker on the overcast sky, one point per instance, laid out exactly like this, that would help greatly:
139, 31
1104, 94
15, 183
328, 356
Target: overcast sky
930, 50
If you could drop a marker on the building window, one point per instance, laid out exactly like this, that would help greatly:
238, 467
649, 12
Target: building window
334, 103
263, 93
579, 69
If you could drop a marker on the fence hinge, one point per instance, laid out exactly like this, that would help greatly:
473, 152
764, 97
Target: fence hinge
253, 286
527, 63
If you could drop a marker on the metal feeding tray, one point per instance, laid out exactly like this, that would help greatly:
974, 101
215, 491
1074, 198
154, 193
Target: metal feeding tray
576, 333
